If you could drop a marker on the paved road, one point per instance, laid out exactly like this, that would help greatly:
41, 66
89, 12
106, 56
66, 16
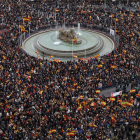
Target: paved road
107, 92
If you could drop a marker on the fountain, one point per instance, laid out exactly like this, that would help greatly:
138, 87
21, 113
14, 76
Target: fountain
79, 29
56, 35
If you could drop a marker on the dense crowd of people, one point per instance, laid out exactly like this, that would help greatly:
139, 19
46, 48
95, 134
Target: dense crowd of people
42, 99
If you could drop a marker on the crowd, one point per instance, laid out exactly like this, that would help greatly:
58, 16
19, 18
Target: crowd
42, 99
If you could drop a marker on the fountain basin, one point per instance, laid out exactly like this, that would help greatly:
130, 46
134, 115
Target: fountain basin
92, 44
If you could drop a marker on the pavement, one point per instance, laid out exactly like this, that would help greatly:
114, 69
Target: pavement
107, 92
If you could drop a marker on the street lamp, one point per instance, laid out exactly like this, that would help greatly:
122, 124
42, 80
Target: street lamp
33, 107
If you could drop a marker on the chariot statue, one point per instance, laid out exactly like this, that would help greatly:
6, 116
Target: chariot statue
69, 36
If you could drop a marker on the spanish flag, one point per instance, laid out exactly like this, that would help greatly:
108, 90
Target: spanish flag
138, 95
90, 17
80, 97
98, 55
52, 131
117, 20
29, 17
113, 67
23, 30
57, 10
36, 52
90, 99
21, 27
58, 70
119, 101
75, 56
58, 60
93, 104
71, 134
129, 104
2, 15
51, 56
124, 51
103, 103
0, 37
75, 84
4, 57
65, 10
40, 92
26, 19
93, 125
112, 99
113, 119
99, 66
112, 15
74, 40
98, 91
79, 108
132, 90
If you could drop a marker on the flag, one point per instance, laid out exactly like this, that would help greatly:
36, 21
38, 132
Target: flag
98, 55
40, 92
99, 66
29, 17
117, 20
0, 37
71, 134
58, 60
90, 17
112, 99
129, 104
75, 56
112, 15
21, 27
23, 30
80, 97
93, 104
124, 51
103, 103
65, 10
36, 52
75, 84
98, 91
28, 77
26, 19
138, 95
113, 67
2, 15
74, 40
58, 70
79, 108
51, 56
92, 125
119, 101
4, 57
52, 131
90, 99
132, 90
113, 119
57, 10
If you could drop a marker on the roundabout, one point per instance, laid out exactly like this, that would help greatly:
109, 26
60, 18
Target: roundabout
47, 43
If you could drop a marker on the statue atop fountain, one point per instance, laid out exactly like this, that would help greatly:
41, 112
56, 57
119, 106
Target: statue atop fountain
69, 36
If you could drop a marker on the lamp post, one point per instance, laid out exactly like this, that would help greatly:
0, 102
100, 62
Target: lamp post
39, 119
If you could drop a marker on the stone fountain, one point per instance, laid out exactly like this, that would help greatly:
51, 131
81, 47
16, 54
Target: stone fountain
69, 36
